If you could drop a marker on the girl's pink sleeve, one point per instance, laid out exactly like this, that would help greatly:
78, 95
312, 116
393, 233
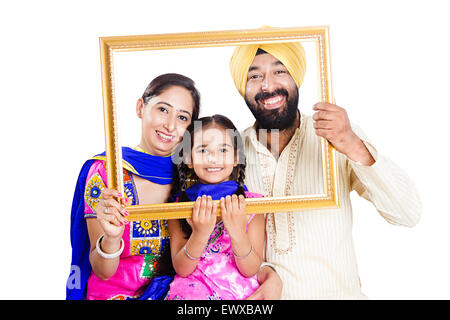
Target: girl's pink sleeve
95, 183
253, 195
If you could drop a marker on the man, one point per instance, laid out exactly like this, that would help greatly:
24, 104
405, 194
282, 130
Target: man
312, 250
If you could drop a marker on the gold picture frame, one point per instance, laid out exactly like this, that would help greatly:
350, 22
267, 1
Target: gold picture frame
108, 45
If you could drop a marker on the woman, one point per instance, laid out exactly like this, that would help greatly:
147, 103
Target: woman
114, 259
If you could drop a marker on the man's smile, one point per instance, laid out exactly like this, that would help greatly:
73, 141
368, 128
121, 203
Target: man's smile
274, 102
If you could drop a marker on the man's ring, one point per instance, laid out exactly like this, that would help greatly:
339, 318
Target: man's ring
106, 210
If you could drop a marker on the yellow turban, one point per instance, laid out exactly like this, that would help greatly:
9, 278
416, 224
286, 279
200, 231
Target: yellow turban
291, 54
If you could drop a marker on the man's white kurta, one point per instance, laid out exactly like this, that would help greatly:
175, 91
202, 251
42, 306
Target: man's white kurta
313, 250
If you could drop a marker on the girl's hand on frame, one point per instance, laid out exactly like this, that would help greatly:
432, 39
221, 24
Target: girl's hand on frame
111, 214
234, 216
204, 216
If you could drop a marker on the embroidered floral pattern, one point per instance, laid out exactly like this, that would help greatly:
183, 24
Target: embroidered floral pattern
268, 186
146, 228
213, 245
93, 191
150, 266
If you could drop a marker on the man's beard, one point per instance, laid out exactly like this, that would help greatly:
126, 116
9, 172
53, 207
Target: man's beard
280, 118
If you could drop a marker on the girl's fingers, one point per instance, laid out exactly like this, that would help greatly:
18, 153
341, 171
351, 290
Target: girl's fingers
206, 207
223, 209
228, 204
235, 203
204, 213
201, 211
242, 203
213, 210
197, 205
209, 205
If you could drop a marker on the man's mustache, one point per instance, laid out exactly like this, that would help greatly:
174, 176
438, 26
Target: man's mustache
266, 95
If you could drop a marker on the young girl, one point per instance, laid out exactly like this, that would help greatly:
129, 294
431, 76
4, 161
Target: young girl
215, 258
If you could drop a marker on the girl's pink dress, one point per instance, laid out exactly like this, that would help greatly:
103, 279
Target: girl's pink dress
216, 276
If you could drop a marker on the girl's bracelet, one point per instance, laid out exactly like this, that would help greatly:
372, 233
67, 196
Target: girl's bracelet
246, 256
109, 255
188, 255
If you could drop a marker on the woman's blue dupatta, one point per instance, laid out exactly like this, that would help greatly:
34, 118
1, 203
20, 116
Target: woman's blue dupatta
153, 168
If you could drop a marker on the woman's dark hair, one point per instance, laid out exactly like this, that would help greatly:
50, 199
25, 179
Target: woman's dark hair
184, 149
168, 80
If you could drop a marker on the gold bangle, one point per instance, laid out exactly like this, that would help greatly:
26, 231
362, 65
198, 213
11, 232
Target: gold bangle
246, 256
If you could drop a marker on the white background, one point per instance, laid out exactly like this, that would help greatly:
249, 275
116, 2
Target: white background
390, 63
210, 69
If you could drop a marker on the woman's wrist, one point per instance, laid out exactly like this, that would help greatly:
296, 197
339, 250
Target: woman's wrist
110, 245
105, 260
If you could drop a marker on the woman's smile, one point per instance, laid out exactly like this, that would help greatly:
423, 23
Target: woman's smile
164, 137
165, 117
